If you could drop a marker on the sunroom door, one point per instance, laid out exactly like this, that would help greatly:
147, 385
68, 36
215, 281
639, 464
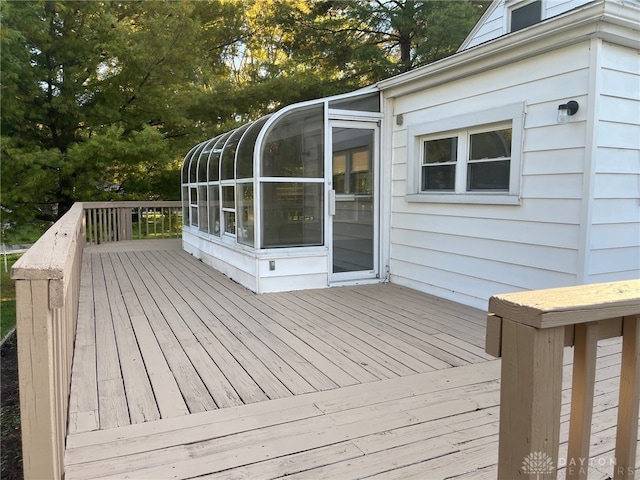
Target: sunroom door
353, 201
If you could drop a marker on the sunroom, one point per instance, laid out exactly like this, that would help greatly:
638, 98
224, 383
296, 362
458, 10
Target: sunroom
289, 201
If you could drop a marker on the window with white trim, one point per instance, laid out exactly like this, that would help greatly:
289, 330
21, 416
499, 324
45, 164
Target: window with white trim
483, 155
465, 160
523, 15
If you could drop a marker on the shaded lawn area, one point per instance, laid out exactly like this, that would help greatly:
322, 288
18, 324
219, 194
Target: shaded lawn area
7, 296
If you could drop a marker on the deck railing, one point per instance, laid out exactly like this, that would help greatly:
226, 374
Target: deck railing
116, 221
529, 330
47, 296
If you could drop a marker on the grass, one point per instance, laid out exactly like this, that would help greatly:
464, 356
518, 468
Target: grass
24, 234
154, 223
7, 297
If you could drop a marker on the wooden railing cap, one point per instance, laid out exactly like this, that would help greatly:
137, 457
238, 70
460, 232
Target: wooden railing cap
569, 305
134, 204
48, 258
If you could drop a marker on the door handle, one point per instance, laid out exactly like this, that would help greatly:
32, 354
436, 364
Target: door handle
332, 202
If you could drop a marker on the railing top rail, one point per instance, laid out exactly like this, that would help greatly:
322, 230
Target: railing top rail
569, 305
133, 204
49, 257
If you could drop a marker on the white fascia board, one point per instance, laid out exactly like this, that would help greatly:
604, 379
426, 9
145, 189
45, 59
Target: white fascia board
613, 21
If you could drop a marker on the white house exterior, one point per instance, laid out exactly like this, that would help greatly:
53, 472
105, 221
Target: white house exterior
559, 206
572, 213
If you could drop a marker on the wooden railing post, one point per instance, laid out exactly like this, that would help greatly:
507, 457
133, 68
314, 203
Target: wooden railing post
582, 390
529, 331
42, 457
627, 431
530, 400
47, 292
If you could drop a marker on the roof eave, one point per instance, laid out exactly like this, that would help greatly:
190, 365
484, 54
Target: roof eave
611, 21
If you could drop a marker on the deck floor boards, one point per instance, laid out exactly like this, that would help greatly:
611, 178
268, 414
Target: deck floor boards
181, 373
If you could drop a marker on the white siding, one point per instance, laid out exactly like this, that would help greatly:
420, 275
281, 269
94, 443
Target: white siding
496, 23
556, 7
294, 269
615, 234
469, 252
490, 26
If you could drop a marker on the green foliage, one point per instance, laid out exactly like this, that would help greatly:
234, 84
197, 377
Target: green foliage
101, 100
7, 296
24, 233
92, 94
400, 35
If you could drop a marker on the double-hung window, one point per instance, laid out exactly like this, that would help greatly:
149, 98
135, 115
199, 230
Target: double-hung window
468, 162
439, 161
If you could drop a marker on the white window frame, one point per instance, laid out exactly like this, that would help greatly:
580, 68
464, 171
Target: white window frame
462, 126
223, 219
515, 5
193, 205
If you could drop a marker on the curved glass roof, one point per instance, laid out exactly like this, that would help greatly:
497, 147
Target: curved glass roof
283, 149
279, 157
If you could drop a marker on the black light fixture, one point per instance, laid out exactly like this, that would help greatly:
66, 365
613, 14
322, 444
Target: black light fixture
566, 110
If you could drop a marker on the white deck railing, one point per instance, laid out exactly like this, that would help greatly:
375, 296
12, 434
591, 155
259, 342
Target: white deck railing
47, 294
529, 330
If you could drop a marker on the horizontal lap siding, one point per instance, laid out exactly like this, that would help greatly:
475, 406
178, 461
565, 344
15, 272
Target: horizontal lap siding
494, 24
470, 252
615, 234
492, 27
556, 7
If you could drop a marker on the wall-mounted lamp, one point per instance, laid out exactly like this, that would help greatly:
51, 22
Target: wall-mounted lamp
566, 110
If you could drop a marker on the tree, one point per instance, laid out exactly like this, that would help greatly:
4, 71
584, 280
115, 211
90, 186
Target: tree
290, 51
101, 100
401, 35
96, 98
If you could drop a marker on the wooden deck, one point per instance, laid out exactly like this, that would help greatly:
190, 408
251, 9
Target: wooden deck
179, 372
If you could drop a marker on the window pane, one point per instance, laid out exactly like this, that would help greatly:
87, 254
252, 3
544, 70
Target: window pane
245, 214
202, 209
214, 158
294, 145
193, 200
438, 177
202, 162
244, 163
185, 206
339, 172
364, 103
186, 164
194, 216
442, 150
496, 144
228, 197
193, 172
230, 222
214, 210
228, 157
292, 214
493, 175
526, 16
360, 178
